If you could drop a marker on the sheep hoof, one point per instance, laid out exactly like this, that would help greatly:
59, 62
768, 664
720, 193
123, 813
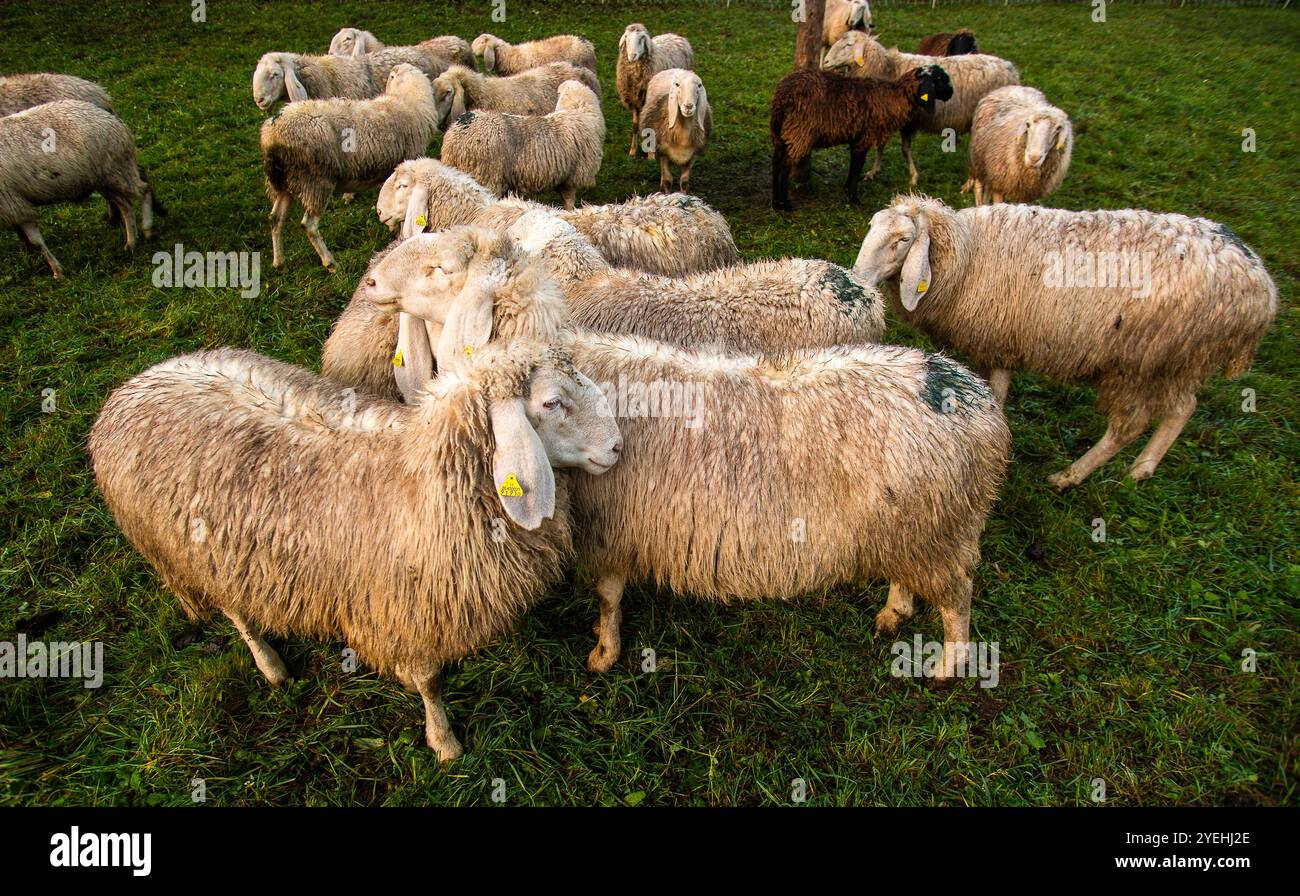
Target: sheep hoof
1061, 481
597, 661
331, 267
783, 205
446, 748
1142, 470
887, 622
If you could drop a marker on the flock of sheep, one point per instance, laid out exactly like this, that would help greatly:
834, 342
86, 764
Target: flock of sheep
464, 441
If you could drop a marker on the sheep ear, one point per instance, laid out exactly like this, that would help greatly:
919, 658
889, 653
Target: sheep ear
413, 360
468, 326
521, 471
915, 281
489, 58
702, 101
417, 212
359, 47
859, 53
297, 93
457, 104
672, 104
622, 46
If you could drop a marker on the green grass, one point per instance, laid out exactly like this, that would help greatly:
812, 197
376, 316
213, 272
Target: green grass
1120, 660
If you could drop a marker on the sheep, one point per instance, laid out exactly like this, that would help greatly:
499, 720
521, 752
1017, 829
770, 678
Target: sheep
501, 58
314, 147
813, 109
765, 306
672, 235
973, 75
534, 92
958, 43
19, 92
841, 17
61, 152
930, 448
677, 110
532, 153
417, 533
295, 77
640, 58
447, 50
556, 278
1020, 146
1144, 307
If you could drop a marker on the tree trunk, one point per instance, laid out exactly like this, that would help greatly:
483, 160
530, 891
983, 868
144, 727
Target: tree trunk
808, 43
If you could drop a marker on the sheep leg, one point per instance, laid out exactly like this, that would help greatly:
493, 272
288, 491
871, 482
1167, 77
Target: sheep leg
636, 131
665, 175
1165, 435
907, 154
311, 224
126, 208
348, 197
997, 198
1121, 429
898, 608
875, 168
32, 233
857, 158
684, 180
1000, 383
970, 182
781, 163
979, 193
610, 589
146, 214
27, 244
570, 194
437, 730
279, 212
954, 609
268, 661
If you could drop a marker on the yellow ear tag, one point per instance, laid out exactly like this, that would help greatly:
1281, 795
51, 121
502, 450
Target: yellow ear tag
397, 358
1060, 142
422, 221
922, 287
469, 350
511, 488
925, 97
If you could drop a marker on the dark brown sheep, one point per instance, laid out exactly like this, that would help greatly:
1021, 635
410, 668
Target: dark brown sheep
947, 43
814, 109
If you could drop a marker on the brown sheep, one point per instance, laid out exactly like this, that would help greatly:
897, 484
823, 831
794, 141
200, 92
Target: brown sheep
814, 109
946, 43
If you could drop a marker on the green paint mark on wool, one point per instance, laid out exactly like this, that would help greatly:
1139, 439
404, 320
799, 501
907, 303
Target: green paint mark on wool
1228, 234
465, 119
950, 388
846, 289
684, 200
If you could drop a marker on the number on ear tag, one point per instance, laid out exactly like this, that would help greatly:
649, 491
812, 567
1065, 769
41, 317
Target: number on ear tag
511, 488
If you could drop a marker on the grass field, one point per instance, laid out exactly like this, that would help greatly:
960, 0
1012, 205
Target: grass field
1120, 660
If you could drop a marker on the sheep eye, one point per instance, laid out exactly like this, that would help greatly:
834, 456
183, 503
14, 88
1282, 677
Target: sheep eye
551, 404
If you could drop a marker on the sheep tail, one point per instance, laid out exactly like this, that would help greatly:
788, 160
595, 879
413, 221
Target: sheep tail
276, 168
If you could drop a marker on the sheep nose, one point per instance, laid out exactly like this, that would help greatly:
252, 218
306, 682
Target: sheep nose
370, 283
618, 446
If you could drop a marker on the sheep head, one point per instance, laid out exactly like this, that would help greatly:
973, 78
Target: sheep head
485, 47
352, 42
932, 85
449, 96
407, 80
897, 244
273, 78
1045, 132
859, 13
635, 42
851, 50
686, 96
575, 95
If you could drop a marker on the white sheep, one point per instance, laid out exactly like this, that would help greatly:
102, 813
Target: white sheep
907, 503
661, 234
1020, 146
504, 59
973, 76
531, 154
677, 110
640, 58
315, 147
295, 77
19, 92
533, 92
841, 17
61, 152
416, 533
1144, 307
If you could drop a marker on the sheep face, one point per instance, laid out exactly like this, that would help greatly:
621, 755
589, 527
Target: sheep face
850, 50
885, 248
448, 100
395, 196
423, 276
932, 84
1042, 134
635, 42
572, 418
859, 14
685, 97
485, 47
269, 80
348, 42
